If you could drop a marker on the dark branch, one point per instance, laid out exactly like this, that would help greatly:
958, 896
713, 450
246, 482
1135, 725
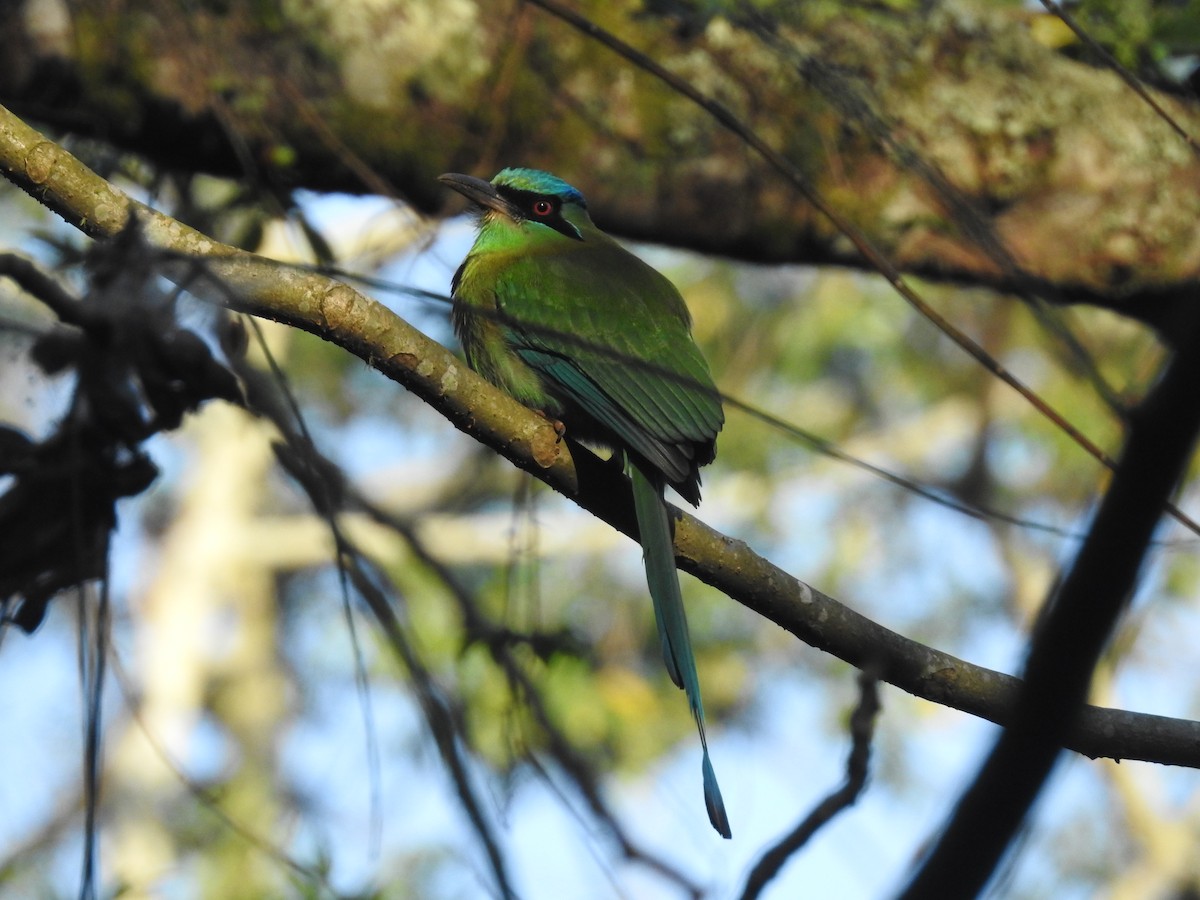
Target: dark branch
862, 728
1074, 630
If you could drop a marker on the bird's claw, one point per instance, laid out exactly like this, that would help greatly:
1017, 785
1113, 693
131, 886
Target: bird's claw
559, 428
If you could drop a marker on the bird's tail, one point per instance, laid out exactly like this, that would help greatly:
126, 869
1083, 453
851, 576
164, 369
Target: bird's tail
657, 547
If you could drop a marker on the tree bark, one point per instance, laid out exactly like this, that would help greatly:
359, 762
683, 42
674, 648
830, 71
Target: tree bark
961, 147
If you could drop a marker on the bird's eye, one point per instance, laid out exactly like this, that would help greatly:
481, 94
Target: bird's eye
542, 207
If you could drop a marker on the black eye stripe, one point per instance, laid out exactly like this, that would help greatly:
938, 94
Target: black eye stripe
525, 201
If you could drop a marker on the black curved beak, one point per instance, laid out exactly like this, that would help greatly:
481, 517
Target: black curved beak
480, 192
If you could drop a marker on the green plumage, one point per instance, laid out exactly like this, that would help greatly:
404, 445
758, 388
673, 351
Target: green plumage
556, 313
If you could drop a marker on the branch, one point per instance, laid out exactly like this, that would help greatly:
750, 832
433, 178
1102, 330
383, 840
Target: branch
1075, 628
337, 313
862, 728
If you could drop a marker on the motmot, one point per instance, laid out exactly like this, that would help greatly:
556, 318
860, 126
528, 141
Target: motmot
558, 314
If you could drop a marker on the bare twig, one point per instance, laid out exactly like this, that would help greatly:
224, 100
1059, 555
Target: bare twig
1130, 79
46, 289
93, 642
862, 728
205, 796
440, 715
325, 486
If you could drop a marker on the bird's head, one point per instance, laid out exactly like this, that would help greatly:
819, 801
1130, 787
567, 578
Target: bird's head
529, 199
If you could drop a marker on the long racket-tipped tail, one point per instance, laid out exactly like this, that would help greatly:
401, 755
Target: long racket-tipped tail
655, 529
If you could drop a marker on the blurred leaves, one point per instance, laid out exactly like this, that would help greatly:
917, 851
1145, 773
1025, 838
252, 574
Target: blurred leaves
136, 372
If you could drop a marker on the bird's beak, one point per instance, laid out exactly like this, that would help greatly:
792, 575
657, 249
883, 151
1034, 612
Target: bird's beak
479, 191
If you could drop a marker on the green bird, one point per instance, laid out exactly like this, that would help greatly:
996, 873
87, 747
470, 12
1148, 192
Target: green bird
555, 312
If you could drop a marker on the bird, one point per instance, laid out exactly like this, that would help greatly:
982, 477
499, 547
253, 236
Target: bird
559, 315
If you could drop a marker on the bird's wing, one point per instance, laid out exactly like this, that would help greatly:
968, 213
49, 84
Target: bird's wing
612, 334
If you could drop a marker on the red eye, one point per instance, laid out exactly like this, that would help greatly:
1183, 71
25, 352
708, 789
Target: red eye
542, 207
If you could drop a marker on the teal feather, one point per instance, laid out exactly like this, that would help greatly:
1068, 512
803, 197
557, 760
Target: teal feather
558, 314
535, 181
654, 526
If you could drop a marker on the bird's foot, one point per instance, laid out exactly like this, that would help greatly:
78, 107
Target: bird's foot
559, 428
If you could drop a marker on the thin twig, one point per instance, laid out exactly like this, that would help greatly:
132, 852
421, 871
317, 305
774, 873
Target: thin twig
443, 723
205, 795
93, 654
498, 642
1134, 83
838, 90
323, 493
862, 728
69, 308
